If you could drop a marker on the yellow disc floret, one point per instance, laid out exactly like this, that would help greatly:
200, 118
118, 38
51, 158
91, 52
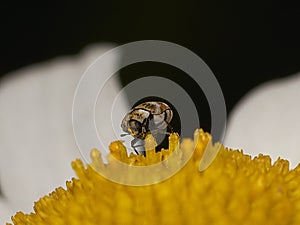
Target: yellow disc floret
234, 189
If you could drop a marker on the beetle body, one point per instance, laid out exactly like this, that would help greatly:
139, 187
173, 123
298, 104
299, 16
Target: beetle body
148, 117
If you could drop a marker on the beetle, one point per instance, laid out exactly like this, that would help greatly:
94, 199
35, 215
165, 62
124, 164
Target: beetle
149, 117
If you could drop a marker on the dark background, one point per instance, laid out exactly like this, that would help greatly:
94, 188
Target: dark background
244, 42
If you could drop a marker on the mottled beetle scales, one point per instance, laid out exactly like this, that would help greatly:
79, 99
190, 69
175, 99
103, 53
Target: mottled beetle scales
147, 117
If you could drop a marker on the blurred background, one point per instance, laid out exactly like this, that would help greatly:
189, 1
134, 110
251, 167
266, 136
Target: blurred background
245, 43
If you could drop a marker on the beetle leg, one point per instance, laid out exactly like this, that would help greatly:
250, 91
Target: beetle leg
134, 147
133, 142
170, 127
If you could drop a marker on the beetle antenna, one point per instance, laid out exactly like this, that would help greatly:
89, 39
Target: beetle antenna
122, 135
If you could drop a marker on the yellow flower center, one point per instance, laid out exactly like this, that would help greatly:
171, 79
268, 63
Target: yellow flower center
234, 189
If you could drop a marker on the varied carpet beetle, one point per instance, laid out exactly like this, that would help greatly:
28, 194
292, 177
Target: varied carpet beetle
148, 117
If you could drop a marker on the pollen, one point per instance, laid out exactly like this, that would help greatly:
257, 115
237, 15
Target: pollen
234, 189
